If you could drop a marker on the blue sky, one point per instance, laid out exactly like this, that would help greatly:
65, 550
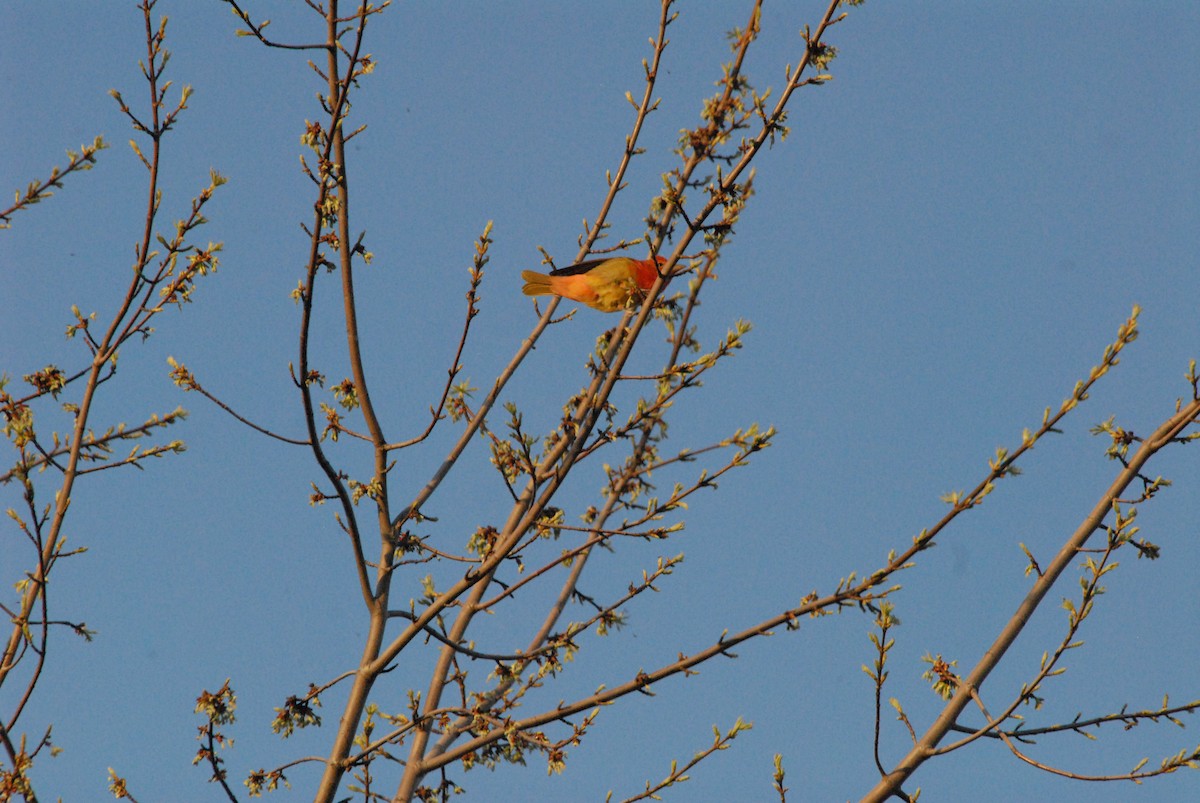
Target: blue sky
957, 226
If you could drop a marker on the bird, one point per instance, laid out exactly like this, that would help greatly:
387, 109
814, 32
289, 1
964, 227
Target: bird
604, 284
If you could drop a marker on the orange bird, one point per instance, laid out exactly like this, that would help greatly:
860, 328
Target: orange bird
604, 284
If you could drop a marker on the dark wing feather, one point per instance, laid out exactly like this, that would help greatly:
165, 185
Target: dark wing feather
582, 267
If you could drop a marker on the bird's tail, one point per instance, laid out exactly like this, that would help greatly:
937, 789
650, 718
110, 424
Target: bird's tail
536, 284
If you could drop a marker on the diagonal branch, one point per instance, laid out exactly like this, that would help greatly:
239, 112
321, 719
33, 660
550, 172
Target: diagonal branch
926, 746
